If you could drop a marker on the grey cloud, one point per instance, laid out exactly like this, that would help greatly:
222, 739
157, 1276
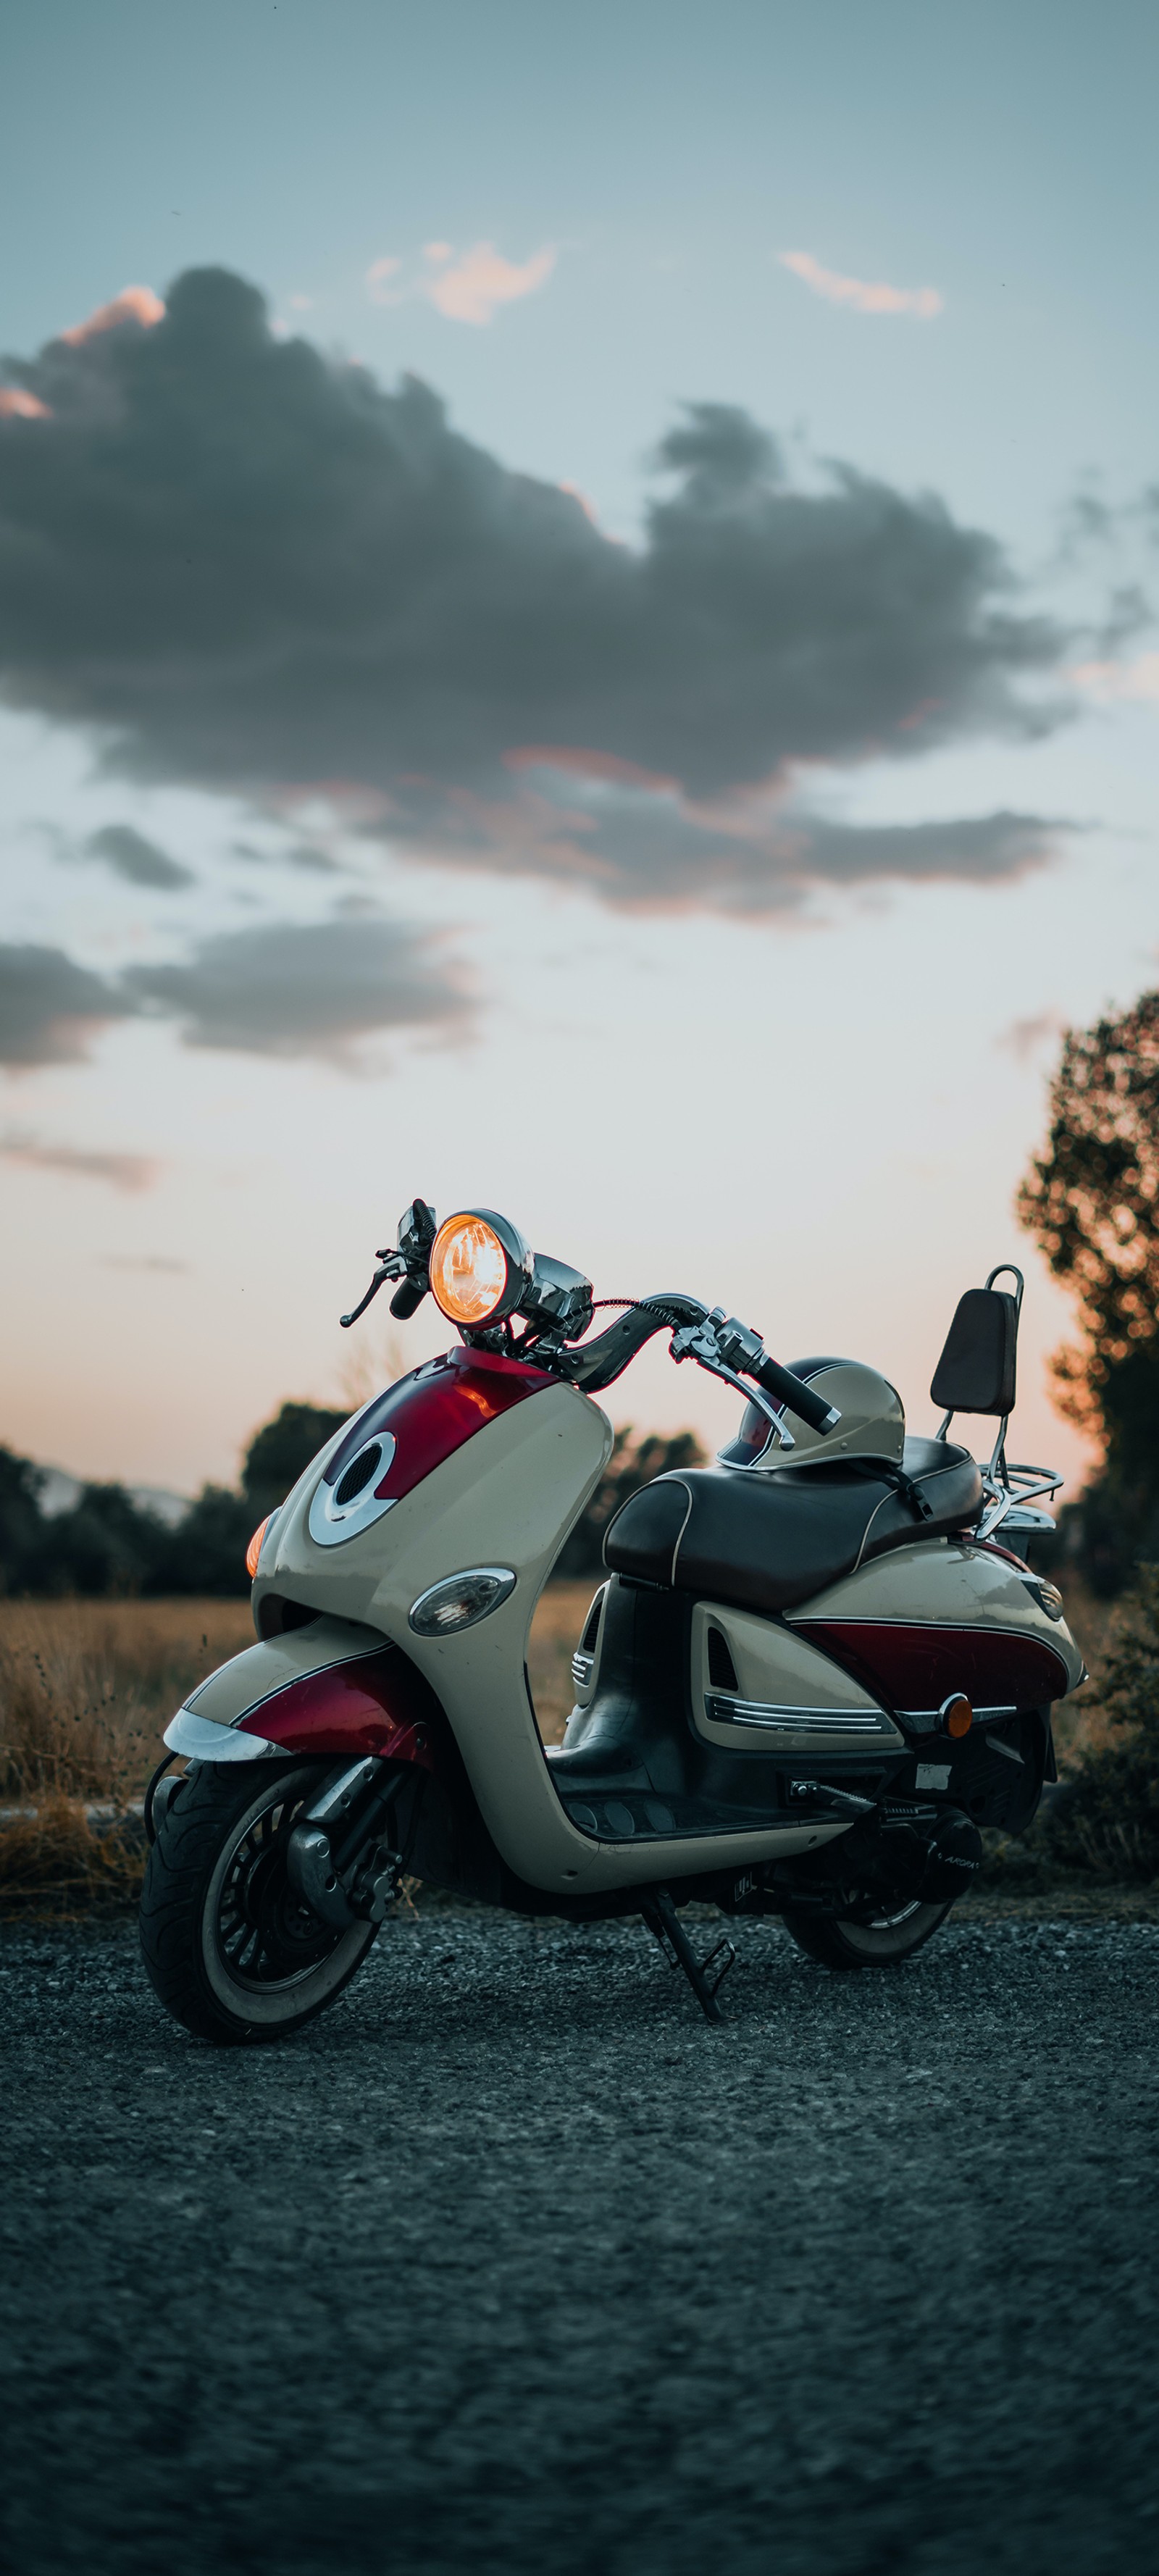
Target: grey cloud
77, 1162
50, 1008
294, 989
139, 861
643, 847
297, 854
256, 570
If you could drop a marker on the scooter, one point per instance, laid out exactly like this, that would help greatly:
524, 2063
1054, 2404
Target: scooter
815, 1670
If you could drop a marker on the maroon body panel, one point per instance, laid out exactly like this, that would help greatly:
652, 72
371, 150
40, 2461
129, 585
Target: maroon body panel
433, 1411
374, 1704
914, 1668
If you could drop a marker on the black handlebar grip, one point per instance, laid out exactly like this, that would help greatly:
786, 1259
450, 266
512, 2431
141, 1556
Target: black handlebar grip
407, 1299
793, 1391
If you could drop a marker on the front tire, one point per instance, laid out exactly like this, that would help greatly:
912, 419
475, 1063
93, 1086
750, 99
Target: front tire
888, 1938
229, 1945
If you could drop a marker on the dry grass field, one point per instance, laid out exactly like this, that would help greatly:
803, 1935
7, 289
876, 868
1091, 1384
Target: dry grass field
88, 1687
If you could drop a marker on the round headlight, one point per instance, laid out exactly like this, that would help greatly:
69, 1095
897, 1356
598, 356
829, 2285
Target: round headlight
479, 1267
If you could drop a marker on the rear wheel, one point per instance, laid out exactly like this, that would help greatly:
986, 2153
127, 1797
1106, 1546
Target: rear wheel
881, 1941
228, 1943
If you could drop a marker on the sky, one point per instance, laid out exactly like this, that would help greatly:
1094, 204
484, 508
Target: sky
577, 634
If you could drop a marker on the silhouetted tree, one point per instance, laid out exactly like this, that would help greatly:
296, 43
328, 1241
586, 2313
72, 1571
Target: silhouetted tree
281, 1450
20, 1520
1091, 1200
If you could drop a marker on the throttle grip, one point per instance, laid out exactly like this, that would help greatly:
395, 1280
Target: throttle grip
792, 1391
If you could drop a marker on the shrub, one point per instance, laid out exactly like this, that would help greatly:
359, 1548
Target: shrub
1107, 1817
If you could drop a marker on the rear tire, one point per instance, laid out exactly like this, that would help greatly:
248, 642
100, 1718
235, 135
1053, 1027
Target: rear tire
882, 1943
229, 1945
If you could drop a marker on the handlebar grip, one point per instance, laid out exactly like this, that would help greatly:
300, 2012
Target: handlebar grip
801, 1400
407, 1299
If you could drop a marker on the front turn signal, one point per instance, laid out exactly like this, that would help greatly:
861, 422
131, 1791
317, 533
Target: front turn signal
956, 1714
254, 1549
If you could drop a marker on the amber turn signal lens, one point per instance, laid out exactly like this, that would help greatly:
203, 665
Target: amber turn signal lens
957, 1714
254, 1549
468, 1270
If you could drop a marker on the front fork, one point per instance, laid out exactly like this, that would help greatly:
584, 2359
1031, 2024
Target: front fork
341, 1856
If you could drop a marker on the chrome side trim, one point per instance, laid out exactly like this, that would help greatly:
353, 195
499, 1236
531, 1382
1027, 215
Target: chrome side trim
981, 1715
201, 1739
796, 1721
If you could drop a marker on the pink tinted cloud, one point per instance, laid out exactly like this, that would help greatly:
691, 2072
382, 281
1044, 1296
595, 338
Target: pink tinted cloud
1108, 681
133, 304
468, 288
74, 1162
476, 284
923, 303
16, 404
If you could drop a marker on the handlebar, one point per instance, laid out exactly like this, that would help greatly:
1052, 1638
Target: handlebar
718, 1342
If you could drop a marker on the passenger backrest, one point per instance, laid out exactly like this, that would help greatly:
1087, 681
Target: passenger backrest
976, 1371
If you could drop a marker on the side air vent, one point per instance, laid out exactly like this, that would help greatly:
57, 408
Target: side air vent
721, 1668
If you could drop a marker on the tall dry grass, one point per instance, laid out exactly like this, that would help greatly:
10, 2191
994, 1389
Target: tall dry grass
87, 1689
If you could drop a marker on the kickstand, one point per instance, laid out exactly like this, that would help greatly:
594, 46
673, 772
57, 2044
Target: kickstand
661, 1917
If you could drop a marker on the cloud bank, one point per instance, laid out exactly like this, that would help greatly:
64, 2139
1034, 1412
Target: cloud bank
284, 989
256, 571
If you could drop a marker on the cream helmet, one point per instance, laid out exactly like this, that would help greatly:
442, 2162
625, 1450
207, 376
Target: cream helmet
872, 1422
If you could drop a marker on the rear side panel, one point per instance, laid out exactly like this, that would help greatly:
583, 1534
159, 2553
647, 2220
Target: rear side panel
946, 1616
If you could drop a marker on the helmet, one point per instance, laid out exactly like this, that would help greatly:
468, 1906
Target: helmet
872, 1421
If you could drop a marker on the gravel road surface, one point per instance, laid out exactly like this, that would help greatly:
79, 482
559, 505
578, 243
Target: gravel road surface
511, 2263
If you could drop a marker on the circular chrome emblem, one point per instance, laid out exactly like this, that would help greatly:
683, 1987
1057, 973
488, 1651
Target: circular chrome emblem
341, 1511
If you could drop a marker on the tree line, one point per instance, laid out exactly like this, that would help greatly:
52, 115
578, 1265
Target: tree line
109, 1544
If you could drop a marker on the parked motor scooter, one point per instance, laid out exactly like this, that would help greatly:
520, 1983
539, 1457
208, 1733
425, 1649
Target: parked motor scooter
815, 1670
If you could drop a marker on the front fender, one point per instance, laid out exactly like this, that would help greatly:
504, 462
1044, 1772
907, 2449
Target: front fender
333, 1688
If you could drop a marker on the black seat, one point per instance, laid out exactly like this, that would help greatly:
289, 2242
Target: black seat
767, 1542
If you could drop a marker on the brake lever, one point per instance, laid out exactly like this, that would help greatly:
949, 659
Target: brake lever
698, 1342
393, 1267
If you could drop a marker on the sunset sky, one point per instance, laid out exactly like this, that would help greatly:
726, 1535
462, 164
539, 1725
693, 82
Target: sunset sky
578, 633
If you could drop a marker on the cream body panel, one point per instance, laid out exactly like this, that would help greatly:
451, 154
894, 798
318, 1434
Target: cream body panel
787, 1675
507, 1497
944, 1583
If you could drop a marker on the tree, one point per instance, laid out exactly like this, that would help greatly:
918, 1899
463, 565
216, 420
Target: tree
1091, 1200
20, 1520
282, 1449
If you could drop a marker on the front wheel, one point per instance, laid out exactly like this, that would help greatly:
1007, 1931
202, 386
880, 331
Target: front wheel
229, 1945
881, 1942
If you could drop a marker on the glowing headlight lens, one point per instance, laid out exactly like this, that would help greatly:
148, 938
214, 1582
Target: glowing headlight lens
468, 1270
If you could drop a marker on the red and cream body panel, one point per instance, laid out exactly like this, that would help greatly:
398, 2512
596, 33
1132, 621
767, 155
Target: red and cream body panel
944, 1617
490, 1466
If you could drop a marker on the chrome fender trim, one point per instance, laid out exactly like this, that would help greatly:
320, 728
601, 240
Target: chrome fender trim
202, 1739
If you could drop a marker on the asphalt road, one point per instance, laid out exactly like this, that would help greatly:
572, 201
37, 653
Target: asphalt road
511, 2263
